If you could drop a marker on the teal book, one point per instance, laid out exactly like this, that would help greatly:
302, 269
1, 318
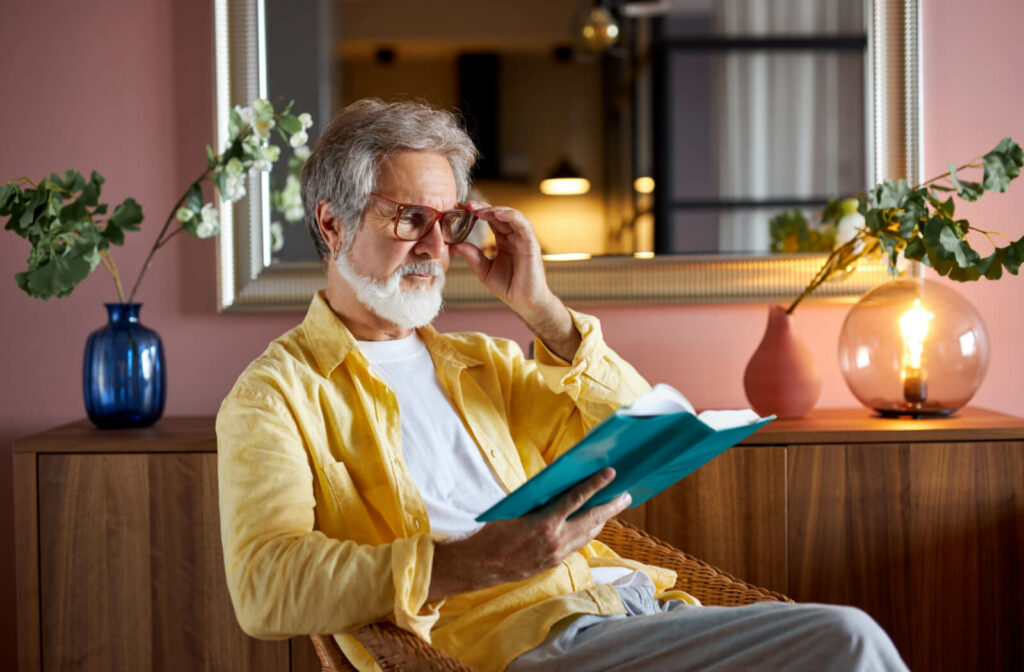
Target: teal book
653, 444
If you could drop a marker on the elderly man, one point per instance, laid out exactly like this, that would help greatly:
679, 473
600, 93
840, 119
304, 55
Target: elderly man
357, 451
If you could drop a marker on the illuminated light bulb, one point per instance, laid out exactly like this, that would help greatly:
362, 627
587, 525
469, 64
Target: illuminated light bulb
564, 186
913, 346
643, 185
914, 325
599, 30
564, 180
643, 255
566, 256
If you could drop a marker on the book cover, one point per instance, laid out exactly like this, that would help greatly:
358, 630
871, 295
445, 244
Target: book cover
652, 444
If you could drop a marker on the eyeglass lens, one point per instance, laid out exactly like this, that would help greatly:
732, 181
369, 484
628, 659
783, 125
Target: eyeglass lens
414, 222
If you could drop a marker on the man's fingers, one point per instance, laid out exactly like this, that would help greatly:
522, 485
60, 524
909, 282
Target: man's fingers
579, 494
501, 219
477, 260
602, 514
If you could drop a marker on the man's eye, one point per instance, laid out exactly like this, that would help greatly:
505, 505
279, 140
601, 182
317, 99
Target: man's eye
415, 218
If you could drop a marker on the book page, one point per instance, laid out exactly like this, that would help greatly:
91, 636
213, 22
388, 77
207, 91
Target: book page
661, 400
728, 419
664, 399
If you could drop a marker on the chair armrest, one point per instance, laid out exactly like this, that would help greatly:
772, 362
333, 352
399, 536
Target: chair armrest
710, 585
397, 649
392, 648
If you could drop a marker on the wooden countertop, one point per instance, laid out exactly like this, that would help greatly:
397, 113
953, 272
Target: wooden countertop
861, 425
168, 435
820, 426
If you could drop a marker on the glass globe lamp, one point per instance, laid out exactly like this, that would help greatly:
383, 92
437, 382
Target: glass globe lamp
913, 347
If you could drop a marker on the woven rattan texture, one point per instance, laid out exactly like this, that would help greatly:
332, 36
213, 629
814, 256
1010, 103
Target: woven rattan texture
397, 649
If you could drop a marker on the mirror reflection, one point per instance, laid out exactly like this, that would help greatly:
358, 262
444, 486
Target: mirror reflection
693, 122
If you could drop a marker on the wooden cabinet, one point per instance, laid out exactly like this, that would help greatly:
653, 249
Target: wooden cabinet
119, 557
918, 522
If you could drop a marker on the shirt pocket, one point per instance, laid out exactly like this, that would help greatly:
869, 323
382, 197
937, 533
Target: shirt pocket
350, 518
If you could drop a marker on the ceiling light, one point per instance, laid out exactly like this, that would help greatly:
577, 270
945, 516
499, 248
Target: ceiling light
564, 180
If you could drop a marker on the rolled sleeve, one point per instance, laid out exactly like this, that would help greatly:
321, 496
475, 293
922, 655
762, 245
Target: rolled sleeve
596, 374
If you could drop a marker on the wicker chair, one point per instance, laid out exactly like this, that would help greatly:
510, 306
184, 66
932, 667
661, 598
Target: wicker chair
397, 649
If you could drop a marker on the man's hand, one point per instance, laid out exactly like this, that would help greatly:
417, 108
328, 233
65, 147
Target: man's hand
516, 276
504, 551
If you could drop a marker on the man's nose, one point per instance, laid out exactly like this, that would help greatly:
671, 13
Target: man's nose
433, 243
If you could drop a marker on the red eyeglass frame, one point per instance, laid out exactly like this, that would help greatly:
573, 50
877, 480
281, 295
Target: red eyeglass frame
438, 214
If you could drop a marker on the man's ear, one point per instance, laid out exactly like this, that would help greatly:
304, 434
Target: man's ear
331, 228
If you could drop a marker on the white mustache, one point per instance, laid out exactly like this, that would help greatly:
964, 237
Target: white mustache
422, 267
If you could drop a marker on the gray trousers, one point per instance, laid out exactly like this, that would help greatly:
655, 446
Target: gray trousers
674, 636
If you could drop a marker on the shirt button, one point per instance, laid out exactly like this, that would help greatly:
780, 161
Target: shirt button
493, 454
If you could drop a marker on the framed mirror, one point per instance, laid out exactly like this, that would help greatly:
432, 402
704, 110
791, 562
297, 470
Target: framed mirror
667, 51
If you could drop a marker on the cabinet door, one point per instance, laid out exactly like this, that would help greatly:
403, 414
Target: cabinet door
927, 538
731, 513
131, 570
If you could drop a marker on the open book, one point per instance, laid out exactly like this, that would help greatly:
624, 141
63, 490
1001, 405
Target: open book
652, 444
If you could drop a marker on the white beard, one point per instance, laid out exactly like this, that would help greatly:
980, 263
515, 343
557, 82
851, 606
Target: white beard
386, 299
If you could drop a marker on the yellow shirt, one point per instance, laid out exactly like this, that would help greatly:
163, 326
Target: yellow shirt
322, 526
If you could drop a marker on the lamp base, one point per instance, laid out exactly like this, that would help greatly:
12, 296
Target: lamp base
914, 410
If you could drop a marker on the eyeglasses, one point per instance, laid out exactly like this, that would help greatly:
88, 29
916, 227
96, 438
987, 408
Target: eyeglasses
414, 222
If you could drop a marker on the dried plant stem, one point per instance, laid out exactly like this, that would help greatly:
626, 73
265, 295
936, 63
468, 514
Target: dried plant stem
108, 263
160, 240
847, 253
841, 257
970, 164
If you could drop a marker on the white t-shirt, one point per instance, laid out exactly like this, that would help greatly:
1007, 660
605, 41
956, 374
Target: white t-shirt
455, 481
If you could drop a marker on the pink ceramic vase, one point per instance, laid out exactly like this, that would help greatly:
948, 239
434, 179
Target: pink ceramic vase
782, 377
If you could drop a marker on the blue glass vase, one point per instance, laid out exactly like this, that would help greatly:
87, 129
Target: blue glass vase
123, 376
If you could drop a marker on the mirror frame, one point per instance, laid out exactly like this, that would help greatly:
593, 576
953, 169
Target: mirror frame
247, 280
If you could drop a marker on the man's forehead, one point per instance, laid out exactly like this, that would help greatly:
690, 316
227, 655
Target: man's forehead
417, 175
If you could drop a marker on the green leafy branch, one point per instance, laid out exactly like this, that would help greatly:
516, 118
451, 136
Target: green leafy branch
920, 223
63, 219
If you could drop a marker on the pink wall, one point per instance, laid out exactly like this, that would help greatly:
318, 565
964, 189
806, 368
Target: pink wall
124, 87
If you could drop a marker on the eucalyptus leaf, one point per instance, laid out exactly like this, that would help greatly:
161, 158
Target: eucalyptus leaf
126, 216
969, 191
1002, 164
73, 180
114, 235
74, 211
892, 194
992, 265
915, 249
915, 211
875, 221
964, 273
1014, 256
947, 207
59, 275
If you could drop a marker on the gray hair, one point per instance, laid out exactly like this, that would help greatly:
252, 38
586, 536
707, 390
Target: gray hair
344, 164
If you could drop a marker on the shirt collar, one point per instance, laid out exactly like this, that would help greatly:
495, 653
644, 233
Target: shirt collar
329, 338
331, 341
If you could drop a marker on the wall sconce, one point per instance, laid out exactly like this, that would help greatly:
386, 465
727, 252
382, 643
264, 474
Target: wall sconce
564, 180
913, 347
